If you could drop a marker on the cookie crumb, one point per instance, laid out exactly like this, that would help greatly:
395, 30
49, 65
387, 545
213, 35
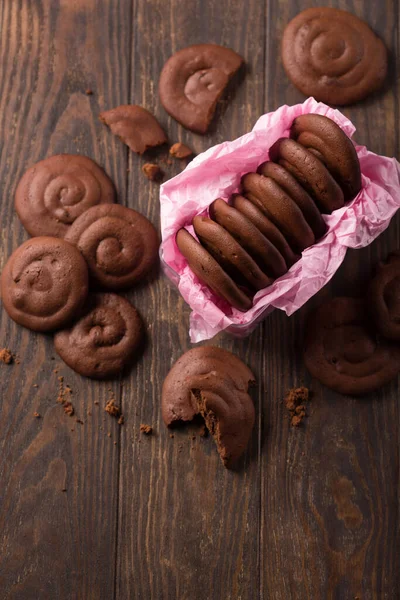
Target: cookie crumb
203, 431
112, 409
68, 409
295, 403
121, 420
109, 435
171, 435
36, 415
96, 402
5, 356
179, 150
152, 172
89, 92
35, 385
146, 429
79, 421
63, 489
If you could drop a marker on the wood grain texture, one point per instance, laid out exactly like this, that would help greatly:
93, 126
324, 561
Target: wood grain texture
330, 517
188, 528
54, 543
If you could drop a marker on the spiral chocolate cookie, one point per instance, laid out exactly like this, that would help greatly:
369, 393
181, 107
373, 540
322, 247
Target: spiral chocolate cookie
135, 126
384, 298
334, 56
119, 244
343, 351
297, 193
249, 237
57, 190
229, 254
273, 201
44, 284
266, 226
310, 172
214, 383
193, 80
332, 146
106, 338
210, 272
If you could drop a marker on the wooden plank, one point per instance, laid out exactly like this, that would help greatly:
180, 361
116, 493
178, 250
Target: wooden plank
329, 525
187, 528
55, 543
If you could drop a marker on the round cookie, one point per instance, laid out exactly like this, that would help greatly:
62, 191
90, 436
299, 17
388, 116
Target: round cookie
210, 272
333, 147
273, 201
229, 254
57, 190
267, 228
297, 193
214, 383
44, 284
334, 56
384, 298
119, 244
193, 80
249, 237
343, 351
310, 172
105, 339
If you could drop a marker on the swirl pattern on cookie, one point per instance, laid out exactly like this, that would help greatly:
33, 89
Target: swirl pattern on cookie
214, 383
384, 298
334, 56
119, 244
343, 350
57, 190
331, 145
193, 80
44, 284
105, 339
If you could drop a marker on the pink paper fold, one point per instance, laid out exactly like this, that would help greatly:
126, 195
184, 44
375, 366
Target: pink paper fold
216, 173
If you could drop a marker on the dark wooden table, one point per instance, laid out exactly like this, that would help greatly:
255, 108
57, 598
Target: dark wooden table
99, 511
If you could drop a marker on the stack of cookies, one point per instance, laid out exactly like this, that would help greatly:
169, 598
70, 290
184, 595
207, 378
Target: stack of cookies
244, 245
82, 241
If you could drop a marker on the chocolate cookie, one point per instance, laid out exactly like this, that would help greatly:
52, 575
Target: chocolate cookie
214, 383
310, 172
267, 228
193, 80
44, 284
210, 272
334, 56
119, 244
135, 126
384, 298
297, 193
331, 145
273, 201
249, 237
57, 190
343, 351
106, 338
229, 254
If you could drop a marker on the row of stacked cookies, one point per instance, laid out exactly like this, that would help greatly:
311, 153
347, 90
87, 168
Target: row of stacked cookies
244, 245
82, 243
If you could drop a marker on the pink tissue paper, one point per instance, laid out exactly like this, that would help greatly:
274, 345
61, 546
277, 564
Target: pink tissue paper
216, 173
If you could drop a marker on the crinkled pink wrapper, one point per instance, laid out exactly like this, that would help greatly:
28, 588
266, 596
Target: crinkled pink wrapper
216, 173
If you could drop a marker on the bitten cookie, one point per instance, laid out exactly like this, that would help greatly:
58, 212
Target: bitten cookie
105, 339
384, 298
229, 254
193, 80
334, 56
119, 244
210, 272
214, 383
332, 146
57, 190
44, 284
310, 172
135, 126
343, 351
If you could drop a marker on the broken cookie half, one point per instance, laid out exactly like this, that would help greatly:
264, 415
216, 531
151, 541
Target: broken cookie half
213, 383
